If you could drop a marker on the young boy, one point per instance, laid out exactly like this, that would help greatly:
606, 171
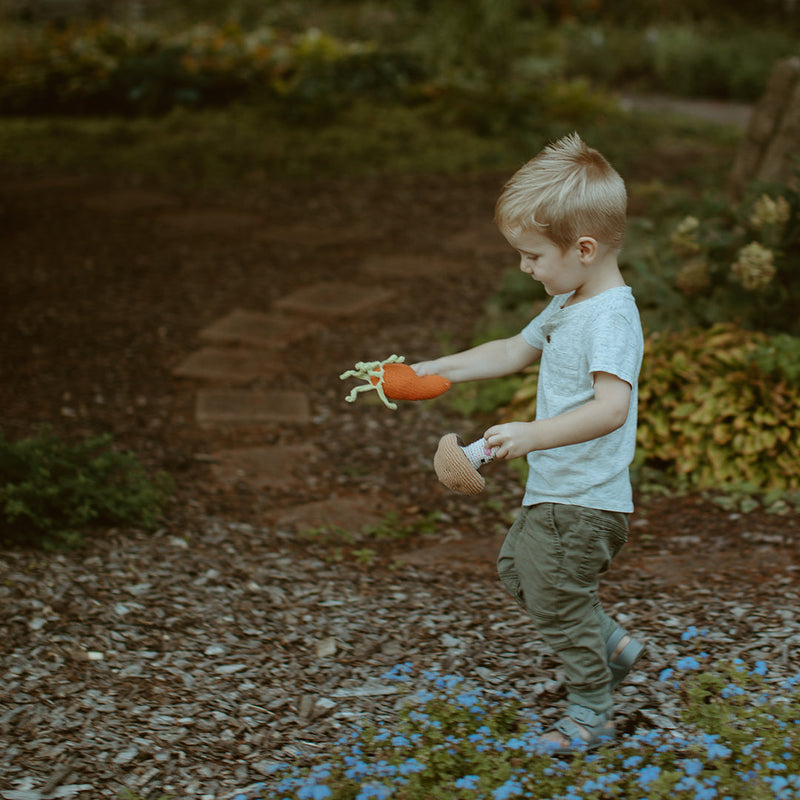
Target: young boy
564, 212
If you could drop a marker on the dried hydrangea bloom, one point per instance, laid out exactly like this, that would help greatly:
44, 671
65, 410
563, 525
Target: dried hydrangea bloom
755, 267
767, 211
684, 238
694, 277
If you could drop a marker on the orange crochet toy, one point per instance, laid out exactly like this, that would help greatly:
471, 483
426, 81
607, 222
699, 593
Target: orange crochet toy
394, 380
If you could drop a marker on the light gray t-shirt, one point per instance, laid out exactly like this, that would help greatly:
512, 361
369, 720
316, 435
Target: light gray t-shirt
601, 334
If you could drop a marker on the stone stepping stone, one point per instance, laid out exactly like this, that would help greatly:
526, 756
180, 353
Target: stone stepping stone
229, 364
257, 329
351, 513
410, 266
243, 407
207, 222
335, 299
261, 468
128, 201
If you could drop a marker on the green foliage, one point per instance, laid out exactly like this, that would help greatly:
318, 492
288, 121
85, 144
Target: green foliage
456, 742
246, 143
52, 491
718, 410
106, 68
486, 397
740, 262
707, 60
713, 416
470, 43
489, 61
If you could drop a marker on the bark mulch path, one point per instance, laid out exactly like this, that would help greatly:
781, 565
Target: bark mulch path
309, 548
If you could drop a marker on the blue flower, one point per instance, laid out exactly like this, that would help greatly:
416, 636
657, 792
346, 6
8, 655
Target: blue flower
510, 788
374, 791
705, 793
399, 672
411, 766
688, 663
665, 674
648, 775
467, 782
760, 668
692, 766
315, 791
778, 783
716, 750
731, 690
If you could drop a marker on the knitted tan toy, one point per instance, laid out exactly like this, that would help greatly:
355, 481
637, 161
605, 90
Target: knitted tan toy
457, 465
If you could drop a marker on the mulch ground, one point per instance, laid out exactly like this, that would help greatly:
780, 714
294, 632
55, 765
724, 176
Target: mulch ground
188, 660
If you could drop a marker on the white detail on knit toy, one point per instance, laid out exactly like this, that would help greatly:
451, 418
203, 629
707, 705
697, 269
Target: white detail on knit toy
479, 453
367, 370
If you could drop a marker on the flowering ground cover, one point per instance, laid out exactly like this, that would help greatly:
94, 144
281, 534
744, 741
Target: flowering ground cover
455, 740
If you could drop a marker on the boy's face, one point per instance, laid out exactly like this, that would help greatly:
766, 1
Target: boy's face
559, 271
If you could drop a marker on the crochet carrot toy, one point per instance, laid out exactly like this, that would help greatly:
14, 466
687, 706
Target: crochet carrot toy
394, 380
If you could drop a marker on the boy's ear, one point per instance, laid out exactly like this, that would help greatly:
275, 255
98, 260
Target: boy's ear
587, 249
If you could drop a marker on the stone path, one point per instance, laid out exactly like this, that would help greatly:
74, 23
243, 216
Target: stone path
245, 349
242, 354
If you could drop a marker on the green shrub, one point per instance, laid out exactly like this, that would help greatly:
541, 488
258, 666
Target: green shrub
105, 68
741, 261
722, 61
719, 409
52, 491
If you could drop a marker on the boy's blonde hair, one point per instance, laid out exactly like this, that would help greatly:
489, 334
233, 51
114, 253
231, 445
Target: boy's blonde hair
569, 190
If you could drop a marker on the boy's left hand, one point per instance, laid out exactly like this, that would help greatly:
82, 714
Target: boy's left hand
510, 440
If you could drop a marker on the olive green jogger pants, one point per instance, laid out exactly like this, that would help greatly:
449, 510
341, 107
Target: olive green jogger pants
550, 563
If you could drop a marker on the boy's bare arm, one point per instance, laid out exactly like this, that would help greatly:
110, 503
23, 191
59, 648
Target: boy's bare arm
490, 360
604, 413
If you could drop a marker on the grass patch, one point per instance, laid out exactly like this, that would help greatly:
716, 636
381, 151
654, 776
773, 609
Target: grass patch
260, 142
224, 146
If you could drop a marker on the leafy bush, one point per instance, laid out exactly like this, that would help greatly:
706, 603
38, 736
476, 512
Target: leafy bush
454, 741
494, 60
741, 262
710, 60
51, 491
108, 68
718, 409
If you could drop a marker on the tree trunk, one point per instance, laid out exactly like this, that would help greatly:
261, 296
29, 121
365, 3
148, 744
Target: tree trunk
772, 142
